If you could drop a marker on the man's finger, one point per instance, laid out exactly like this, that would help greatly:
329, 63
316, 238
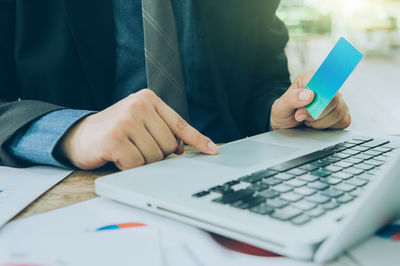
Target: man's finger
328, 121
292, 100
344, 123
161, 133
184, 131
127, 156
303, 115
146, 144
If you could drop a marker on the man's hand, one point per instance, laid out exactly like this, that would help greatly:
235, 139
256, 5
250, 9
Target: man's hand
288, 111
137, 130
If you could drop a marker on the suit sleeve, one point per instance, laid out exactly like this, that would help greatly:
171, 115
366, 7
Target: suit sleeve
271, 78
14, 113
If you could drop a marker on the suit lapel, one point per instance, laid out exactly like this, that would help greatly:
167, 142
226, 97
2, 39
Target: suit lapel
92, 27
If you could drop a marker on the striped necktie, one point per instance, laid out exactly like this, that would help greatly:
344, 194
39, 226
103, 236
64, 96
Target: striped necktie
163, 61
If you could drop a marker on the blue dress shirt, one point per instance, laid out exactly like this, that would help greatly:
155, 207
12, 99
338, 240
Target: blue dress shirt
37, 143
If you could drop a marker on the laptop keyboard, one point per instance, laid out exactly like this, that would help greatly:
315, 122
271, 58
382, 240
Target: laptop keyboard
309, 186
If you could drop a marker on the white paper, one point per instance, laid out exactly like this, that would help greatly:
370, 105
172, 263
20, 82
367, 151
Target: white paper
180, 244
376, 251
21, 186
130, 246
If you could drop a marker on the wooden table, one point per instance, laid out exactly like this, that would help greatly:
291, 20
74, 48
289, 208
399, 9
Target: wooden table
77, 187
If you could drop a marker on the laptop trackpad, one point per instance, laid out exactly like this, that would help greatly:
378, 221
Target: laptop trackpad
245, 154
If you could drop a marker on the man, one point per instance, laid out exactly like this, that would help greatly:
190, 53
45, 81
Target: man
73, 75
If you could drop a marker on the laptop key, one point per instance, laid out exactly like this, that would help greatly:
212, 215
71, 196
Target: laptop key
284, 176
305, 205
201, 194
296, 183
362, 138
301, 160
308, 167
332, 193
360, 148
351, 152
357, 192
320, 163
374, 162
332, 159
248, 202
286, 213
345, 187
343, 164
318, 198
221, 189
342, 155
308, 177
277, 203
305, 191
297, 171
354, 141
316, 212
300, 220
250, 179
375, 143
363, 156
321, 173
318, 185
282, 188
373, 153
265, 173
262, 209
331, 205
345, 198
258, 186
342, 175
383, 149
232, 183
364, 166
291, 196
353, 171
353, 160
268, 193
332, 168
357, 182
330, 180
271, 181
232, 196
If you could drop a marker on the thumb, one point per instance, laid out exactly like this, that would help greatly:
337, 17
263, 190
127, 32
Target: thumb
293, 99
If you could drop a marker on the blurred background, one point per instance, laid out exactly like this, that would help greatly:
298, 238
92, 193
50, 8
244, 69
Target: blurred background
372, 26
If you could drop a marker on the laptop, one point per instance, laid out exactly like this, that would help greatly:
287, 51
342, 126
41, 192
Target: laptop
302, 193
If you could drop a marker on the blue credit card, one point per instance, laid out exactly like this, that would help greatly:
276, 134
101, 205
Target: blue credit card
331, 75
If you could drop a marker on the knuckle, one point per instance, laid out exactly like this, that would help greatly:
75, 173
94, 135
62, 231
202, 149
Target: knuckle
317, 125
138, 104
181, 123
114, 134
336, 100
171, 147
147, 93
346, 121
138, 161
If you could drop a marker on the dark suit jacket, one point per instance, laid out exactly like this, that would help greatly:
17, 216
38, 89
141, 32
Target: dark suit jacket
61, 53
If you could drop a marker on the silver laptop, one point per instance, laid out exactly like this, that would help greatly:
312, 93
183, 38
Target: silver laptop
301, 193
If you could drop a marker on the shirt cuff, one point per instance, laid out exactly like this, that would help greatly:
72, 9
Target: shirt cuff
37, 143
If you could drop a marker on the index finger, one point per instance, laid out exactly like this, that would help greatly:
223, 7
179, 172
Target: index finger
184, 131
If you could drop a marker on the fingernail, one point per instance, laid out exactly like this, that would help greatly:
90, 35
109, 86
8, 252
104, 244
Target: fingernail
305, 95
302, 117
213, 148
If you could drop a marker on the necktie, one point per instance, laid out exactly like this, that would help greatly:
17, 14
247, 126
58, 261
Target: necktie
163, 61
